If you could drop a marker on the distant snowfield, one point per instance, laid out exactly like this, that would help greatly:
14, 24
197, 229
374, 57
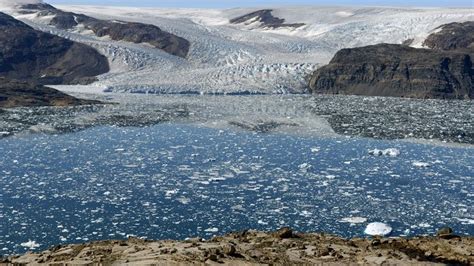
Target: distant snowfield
226, 58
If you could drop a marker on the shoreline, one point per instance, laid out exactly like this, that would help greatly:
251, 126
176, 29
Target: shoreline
282, 247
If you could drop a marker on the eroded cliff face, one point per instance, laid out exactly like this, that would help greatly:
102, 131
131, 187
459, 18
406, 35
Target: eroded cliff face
116, 30
41, 58
396, 70
31, 58
445, 71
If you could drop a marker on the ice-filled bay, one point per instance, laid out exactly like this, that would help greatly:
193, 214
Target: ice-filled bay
179, 180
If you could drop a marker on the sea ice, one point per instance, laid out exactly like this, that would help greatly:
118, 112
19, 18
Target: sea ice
354, 220
30, 244
378, 229
212, 230
304, 167
421, 164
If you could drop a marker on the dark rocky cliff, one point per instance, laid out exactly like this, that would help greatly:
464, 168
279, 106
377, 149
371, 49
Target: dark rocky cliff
30, 55
396, 70
31, 58
116, 30
444, 72
452, 36
266, 18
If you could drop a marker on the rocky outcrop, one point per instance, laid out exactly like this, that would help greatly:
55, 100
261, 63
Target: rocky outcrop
266, 18
31, 58
283, 247
41, 58
16, 93
397, 70
445, 71
116, 30
452, 36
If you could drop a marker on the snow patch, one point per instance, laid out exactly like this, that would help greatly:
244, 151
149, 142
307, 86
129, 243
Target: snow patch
344, 14
13, 3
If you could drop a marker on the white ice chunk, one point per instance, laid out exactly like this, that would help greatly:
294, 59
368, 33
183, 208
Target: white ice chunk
354, 220
30, 244
304, 167
421, 164
378, 229
212, 230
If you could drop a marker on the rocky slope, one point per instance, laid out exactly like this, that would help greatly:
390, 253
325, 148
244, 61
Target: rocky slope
16, 93
397, 70
266, 19
31, 58
446, 71
283, 247
116, 30
42, 58
452, 36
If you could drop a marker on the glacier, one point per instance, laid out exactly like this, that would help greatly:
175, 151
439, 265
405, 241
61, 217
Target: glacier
244, 58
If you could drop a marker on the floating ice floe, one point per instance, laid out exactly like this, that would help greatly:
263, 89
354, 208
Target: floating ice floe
304, 167
30, 244
212, 230
354, 220
184, 200
421, 164
378, 229
172, 192
392, 152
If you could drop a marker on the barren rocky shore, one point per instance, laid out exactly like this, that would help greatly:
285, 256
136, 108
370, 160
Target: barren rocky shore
283, 247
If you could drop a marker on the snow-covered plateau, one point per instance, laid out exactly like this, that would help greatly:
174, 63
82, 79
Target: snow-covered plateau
243, 58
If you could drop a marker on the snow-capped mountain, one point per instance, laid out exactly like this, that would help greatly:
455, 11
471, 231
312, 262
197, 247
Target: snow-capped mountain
271, 52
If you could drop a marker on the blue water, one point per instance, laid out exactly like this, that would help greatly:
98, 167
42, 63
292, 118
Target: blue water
177, 181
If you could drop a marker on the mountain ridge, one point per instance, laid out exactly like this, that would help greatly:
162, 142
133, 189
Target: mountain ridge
445, 71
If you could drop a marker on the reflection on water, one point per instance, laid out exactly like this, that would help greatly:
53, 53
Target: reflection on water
374, 117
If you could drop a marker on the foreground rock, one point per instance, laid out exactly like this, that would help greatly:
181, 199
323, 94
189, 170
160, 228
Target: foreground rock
34, 56
16, 93
397, 70
116, 30
283, 247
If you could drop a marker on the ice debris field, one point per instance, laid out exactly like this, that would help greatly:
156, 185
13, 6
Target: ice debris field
176, 181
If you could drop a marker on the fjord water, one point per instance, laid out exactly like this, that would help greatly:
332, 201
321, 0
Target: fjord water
177, 180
